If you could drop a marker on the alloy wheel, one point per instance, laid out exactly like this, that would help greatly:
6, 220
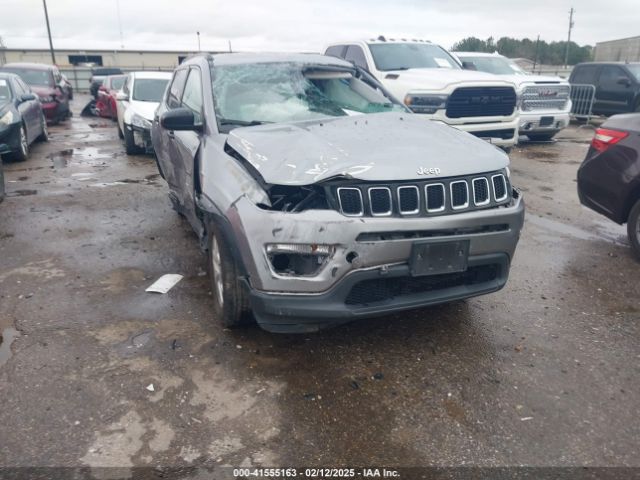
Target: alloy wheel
216, 265
24, 145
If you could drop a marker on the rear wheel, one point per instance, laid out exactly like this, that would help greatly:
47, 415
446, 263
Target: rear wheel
633, 229
129, 144
231, 305
23, 146
44, 136
1, 181
540, 137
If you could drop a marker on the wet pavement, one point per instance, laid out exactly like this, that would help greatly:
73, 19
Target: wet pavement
96, 372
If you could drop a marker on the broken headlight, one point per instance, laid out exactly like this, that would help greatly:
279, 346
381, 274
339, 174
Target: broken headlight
139, 121
298, 258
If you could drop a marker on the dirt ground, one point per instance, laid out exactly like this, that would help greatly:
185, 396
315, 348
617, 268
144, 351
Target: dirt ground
545, 372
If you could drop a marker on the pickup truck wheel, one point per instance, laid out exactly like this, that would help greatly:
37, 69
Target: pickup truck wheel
540, 137
633, 229
129, 144
231, 305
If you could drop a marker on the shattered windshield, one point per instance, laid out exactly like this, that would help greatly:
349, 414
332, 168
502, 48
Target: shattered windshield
495, 65
251, 94
149, 89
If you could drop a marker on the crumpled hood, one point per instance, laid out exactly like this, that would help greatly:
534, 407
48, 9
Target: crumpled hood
376, 147
433, 79
144, 109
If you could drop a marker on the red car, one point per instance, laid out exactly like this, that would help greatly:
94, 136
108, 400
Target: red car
46, 82
106, 101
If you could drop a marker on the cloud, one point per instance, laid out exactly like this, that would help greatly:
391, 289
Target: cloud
300, 25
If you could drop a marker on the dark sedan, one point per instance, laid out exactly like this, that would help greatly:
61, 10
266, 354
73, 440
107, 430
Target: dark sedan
609, 177
22, 120
45, 81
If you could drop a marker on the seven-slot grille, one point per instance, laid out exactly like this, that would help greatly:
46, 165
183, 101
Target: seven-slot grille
424, 198
481, 102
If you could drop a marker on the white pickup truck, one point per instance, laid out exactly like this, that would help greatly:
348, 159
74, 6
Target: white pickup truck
545, 102
432, 83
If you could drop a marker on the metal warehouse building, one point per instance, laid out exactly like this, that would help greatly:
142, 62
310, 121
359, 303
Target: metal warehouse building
623, 50
130, 59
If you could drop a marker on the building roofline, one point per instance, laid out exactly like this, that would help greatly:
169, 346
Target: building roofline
89, 51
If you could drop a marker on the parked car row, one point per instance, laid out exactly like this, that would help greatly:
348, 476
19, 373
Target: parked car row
48, 83
22, 120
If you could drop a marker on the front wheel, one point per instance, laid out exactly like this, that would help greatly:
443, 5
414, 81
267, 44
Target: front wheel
231, 305
633, 229
129, 144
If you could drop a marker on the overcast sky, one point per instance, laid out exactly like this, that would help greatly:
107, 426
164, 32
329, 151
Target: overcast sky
306, 25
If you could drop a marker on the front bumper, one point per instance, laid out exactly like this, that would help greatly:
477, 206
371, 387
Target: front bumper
142, 138
349, 299
530, 122
325, 292
55, 111
499, 131
9, 138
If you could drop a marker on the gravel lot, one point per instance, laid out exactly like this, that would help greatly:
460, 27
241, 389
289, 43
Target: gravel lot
543, 373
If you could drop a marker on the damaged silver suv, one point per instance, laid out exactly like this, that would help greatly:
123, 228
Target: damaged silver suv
321, 199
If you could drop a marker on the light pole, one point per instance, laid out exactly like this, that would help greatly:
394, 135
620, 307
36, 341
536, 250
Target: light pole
46, 17
198, 33
566, 52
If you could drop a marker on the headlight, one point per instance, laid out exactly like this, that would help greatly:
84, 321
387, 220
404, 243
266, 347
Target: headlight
7, 118
424, 103
138, 121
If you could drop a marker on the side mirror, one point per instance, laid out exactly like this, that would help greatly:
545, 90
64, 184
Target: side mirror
469, 66
624, 81
179, 119
122, 97
27, 97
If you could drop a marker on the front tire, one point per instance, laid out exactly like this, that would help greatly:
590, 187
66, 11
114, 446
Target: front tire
129, 144
231, 305
633, 229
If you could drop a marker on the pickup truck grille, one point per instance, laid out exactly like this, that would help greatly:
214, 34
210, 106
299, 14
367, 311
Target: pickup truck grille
425, 198
545, 97
481, 102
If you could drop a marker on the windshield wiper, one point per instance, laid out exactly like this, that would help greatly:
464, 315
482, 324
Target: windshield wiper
242, 123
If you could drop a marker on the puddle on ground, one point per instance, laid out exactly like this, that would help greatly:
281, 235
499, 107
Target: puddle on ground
83, 155
21, 193
572, 231
6, 339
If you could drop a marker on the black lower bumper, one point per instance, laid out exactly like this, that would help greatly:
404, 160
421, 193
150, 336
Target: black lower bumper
10, 138
376, 292
145, 138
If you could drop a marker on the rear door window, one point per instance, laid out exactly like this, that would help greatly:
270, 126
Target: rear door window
585, 75
177, 87
355, 54
335, 51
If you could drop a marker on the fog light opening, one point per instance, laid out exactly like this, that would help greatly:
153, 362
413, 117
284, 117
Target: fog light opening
298, 259
351, 256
